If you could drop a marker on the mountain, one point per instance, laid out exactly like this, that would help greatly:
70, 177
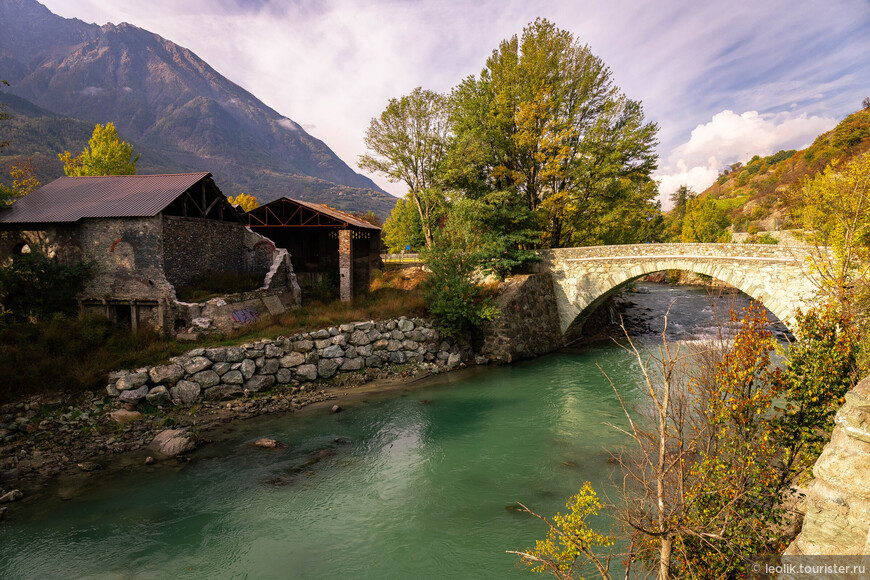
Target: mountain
163, 98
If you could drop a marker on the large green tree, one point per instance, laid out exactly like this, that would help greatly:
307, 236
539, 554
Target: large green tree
408, 144
106, 154
544, 123
403, 228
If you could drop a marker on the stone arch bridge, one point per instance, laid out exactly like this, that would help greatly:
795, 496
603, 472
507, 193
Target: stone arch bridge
583, 278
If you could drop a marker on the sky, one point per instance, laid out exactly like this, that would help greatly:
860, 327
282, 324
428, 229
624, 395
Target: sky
724, 80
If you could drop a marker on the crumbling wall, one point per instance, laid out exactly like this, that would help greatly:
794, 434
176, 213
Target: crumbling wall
194, 248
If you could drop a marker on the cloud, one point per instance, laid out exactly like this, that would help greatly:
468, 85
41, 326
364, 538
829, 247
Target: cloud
729, 138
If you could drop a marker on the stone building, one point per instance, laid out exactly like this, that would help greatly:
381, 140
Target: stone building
147, 235
325, 244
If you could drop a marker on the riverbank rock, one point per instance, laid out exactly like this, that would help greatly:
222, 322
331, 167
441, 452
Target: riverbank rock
122, 416
13, 495
172, 442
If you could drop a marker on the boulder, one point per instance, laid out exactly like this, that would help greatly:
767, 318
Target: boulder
159, 395
206, 379
166, 374
131, 381
306, 372
223, 392
284, 376
454, 359
327, 367
216, 354
333, 351
235, 354
303, 345
135, 396
233, 378
259, 383
186, 391
273, 351
320, 334
405, 325
172, 442
196, 364
294, 359
359, 338
352, 364
270, 367
221, 368
247, 368
265, 443
398, 357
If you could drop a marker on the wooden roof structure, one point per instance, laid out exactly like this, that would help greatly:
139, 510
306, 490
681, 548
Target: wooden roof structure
294, 213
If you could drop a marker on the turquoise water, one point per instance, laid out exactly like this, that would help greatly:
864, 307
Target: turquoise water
416, 485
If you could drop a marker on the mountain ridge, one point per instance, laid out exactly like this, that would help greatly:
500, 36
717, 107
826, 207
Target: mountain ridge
165, 98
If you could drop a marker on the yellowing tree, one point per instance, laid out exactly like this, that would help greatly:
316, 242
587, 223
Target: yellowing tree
244, 201
106, 154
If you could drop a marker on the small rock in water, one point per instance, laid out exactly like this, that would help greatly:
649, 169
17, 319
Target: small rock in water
172, 442
336, 409
88, 466
13, 495
265, 443
149, 460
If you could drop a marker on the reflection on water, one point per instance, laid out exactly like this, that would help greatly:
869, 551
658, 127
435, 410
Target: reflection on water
417, 485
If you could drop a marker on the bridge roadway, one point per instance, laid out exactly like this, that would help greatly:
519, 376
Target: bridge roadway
777, 276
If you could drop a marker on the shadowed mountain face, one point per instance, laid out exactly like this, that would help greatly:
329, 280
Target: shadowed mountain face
167, 99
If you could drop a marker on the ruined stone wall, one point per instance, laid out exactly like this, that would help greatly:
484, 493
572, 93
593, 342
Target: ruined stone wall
527, 324
193, 248
837, 521
125, 252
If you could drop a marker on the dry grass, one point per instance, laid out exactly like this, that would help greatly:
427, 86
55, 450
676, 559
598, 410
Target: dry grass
392, 294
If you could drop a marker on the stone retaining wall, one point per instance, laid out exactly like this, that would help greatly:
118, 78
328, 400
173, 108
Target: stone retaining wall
527, 324
229, 372
837, 521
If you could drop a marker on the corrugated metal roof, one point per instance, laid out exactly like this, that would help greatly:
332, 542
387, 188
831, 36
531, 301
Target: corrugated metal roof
70, 199
326, 210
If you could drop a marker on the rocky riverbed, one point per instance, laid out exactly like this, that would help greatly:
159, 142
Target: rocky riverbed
48, 444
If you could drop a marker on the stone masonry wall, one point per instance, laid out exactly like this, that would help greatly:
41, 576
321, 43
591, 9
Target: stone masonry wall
233, 371
193, 248
837, 521
528, 322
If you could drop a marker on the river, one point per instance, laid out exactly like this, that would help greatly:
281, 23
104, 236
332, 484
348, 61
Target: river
417, 484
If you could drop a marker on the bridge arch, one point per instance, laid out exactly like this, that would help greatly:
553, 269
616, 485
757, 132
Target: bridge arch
584, 277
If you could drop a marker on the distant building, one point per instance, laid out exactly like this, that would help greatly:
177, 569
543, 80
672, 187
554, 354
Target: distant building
326, 245
147, 235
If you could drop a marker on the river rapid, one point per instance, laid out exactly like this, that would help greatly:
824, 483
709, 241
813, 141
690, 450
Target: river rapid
420, 483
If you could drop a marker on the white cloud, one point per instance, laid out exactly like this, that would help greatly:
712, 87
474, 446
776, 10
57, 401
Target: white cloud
729, 138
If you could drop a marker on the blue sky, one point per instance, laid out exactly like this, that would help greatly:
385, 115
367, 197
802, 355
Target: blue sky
723, 79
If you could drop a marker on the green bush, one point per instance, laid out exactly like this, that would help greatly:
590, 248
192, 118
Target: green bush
452, 297
34, 287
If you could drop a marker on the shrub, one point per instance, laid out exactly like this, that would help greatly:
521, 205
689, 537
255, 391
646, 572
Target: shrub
34, 287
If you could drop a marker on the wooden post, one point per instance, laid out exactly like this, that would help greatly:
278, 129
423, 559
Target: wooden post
345, 264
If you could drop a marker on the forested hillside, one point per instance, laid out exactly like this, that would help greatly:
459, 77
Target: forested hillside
754, 197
